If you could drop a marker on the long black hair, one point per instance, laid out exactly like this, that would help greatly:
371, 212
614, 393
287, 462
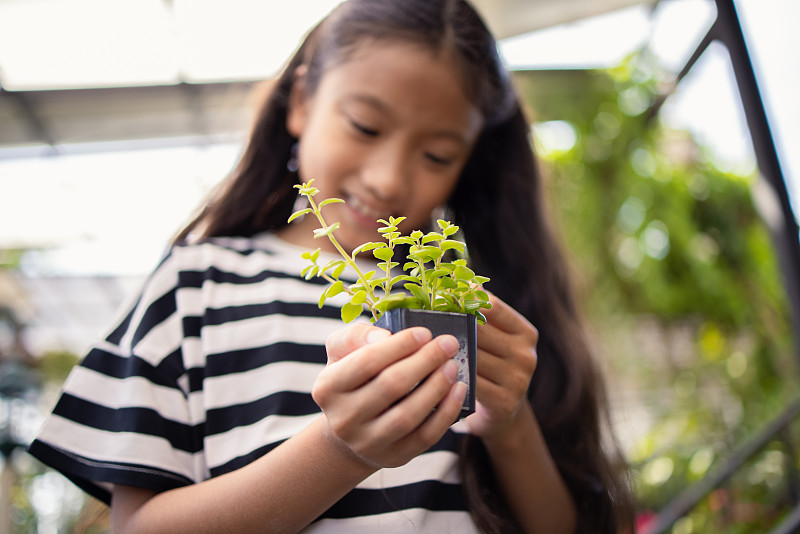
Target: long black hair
498, 202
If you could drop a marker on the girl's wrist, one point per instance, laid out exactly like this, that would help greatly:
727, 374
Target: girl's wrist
511, 438
348, 458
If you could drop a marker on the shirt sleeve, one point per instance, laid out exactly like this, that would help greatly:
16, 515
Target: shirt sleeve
125, 415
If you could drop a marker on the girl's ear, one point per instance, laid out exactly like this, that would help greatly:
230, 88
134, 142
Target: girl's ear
297, 112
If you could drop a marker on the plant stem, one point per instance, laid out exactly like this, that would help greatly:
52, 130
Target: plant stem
350, 261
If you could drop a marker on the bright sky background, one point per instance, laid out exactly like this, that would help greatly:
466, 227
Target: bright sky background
113, 212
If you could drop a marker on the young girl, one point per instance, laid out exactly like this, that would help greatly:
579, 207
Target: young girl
224, 400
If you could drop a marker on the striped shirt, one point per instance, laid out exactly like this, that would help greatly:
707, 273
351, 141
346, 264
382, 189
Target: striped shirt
212, 367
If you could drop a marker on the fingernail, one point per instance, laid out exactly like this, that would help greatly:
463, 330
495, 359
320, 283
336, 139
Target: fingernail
377, 334
448, 343
451, 370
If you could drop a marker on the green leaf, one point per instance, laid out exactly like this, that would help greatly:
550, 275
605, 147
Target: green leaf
300, 213
338, 271
332, 265
311, 256
463, 273
354, 288
445, 302
359, 298
453, 244
446, 298
473, 305
482, 295
312, 273
305, 189
384, 266
403, 241
322, 299
447, 227
336, 288
365, 247
438, 273
403, 278
416, 234
350, 311
426, 253
432, 236
330, 201
396, 300
384, 253
448, 283
325, 232
480, 279
417, 291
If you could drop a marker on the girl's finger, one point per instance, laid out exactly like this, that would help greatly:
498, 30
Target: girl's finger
366, 362
411, 382
513, 380
342, 342
491, 367
503, 316
430, 429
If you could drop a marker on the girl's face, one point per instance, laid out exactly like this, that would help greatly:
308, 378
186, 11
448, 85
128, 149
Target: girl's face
388, 131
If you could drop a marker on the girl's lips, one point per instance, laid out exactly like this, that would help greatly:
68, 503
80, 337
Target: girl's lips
365, 213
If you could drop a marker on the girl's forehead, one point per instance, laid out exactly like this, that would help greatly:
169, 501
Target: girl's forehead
414, 53
380, 59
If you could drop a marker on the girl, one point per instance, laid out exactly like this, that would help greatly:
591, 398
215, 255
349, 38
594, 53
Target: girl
223, 400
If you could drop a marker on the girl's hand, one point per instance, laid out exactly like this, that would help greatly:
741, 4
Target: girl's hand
388, 398
506, 362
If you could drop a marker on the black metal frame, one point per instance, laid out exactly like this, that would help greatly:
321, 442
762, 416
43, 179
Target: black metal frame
727, 30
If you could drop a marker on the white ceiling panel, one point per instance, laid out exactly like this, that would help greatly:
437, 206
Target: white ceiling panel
53, 44
71, 44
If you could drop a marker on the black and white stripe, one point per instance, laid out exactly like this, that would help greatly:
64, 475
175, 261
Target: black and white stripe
210, 368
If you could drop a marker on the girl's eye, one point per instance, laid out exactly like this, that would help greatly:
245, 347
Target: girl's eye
438, 160
364, 130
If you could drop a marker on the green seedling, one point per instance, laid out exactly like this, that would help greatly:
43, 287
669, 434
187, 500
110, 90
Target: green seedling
430, 282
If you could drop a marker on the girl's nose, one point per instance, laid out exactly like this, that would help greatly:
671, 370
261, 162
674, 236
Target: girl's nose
386, 175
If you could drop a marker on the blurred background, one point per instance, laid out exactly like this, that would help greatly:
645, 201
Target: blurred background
669, 134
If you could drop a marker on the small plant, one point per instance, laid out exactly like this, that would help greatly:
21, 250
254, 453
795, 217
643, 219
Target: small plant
431, 282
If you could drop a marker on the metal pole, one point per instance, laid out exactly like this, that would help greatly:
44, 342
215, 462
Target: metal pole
786, 235
689, 498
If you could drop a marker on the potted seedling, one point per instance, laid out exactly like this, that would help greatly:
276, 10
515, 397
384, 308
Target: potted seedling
442, 294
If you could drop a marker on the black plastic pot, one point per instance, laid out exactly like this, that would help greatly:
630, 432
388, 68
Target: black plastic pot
462, 326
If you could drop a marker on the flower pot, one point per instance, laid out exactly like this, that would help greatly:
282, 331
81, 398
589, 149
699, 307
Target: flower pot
462, 326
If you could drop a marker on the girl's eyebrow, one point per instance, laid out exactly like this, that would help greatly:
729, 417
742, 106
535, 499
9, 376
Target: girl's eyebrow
381, 106
369, 100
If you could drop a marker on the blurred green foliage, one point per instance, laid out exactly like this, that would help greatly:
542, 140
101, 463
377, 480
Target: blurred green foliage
680, 281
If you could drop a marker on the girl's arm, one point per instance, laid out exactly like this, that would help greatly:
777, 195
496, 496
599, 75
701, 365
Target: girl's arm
504, 419
369, 421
